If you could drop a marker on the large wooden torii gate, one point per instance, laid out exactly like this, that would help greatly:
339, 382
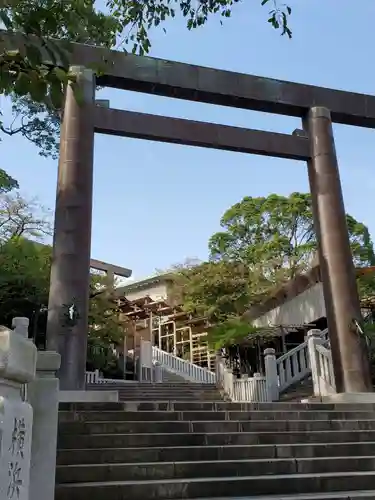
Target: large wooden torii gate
316, 106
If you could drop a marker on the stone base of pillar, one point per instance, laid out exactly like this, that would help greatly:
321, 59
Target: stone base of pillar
343, 397
88, 397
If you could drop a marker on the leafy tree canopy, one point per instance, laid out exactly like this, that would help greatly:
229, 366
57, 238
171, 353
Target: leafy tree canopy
24, 278
25, 266
265, 241
7, 183
37, 88
21, 217
275, 235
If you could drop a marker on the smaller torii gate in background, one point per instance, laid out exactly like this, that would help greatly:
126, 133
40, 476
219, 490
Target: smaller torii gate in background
316, 106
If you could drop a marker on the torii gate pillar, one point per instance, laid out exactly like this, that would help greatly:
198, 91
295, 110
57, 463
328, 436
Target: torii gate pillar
350, 360
67, 323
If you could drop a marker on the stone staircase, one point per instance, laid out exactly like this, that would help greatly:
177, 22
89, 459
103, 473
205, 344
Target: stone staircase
176, 391
195, 448
298, 392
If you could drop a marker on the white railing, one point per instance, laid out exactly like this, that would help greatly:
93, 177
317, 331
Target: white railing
321, 363
224, 377
96, 378
311, 357
293, 366
92, 377
245, 389
185, 369
250, 389
325, 371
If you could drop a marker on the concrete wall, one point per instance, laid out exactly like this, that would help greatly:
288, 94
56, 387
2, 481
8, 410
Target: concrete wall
305, 308
156, 292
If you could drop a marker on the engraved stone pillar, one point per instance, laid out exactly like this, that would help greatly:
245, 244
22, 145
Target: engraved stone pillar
43, 394
17, 367
350, 360
69, 289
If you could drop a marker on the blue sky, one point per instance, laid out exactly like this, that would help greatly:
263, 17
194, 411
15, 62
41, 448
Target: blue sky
157, 204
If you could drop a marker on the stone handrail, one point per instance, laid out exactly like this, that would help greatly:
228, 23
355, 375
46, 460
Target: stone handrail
292, 366
250, 389
321, 364
185, 369
244, 389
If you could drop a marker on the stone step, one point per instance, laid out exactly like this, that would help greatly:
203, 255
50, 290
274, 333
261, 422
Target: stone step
72, 441
213, 426
207, 453
167, 397
129, 383
301, 390
218, 405
158, 395
162, 390
194, 488
213, 469
157, 387
146, 416
340, 495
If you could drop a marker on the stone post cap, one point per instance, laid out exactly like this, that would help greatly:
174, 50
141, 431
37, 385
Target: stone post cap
21, 326
314, 333
269, 351
48, 361
17, 356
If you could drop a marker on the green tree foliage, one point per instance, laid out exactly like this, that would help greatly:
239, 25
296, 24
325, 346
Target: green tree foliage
138, 17
24, 285
275, 236
106, 331
213, 289
264, 242
23, 281
20, 217
220, 291
104, 322
24, 278
7, 183
25, 266
36, 87
35, 122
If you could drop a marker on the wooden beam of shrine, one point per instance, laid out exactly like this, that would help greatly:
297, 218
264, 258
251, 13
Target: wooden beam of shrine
193, 133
